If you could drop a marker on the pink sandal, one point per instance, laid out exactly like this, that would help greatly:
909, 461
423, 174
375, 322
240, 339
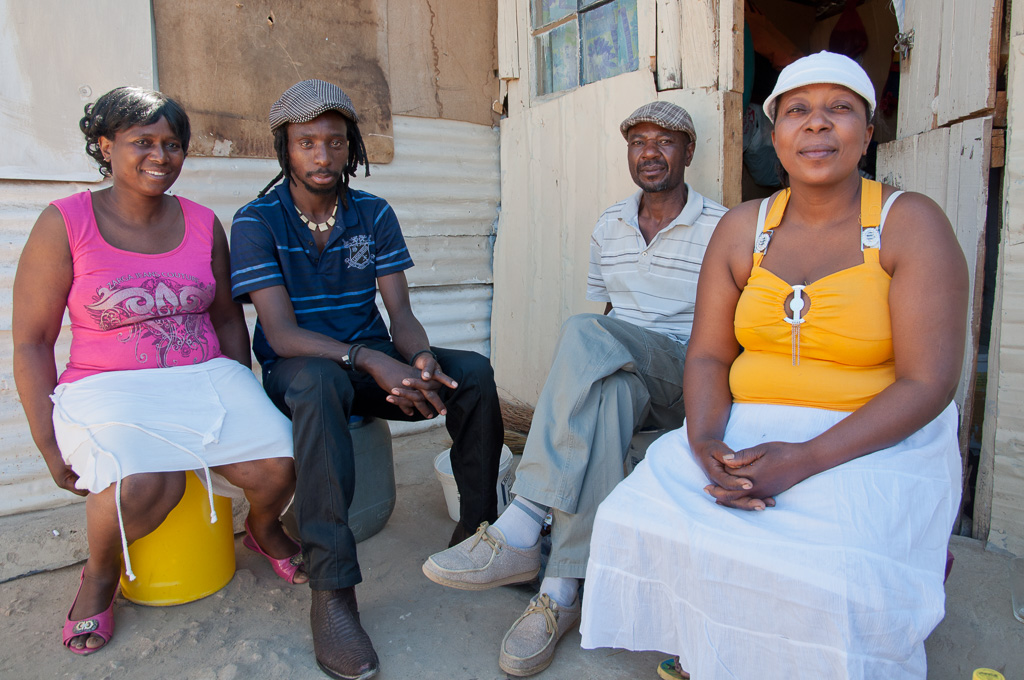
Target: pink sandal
286, 567
101, 624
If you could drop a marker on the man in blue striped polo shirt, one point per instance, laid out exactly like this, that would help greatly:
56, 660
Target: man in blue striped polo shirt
311, 255
612, 375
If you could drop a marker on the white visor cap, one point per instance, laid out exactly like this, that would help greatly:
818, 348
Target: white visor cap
820, 68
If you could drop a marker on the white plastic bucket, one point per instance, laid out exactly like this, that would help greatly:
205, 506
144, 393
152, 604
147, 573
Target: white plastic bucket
443, 472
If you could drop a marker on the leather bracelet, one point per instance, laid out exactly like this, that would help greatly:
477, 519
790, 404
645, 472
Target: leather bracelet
422, 351
353, 351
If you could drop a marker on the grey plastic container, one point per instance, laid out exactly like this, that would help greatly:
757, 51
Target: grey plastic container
374, 498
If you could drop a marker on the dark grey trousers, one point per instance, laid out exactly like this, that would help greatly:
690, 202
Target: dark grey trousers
319, 396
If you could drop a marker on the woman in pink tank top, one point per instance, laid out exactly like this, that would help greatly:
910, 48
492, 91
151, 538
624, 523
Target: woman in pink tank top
159, 381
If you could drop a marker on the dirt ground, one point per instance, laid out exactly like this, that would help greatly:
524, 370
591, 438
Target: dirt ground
258, 627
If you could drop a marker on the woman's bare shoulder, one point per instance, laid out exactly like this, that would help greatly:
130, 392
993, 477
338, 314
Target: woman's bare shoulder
916, 213
50, 227
739, 223
917, 230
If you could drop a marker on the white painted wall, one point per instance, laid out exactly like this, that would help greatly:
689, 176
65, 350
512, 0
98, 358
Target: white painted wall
39, 115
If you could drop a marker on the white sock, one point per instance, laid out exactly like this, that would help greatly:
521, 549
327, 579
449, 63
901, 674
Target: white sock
521, 522
561, 590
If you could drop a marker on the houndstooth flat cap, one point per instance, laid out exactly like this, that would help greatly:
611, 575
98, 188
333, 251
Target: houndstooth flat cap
302, 102
662, 114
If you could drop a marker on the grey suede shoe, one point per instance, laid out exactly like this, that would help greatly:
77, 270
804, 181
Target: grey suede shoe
529, 645
483, 561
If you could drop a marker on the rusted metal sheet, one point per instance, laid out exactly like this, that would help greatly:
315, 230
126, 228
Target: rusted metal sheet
443, 184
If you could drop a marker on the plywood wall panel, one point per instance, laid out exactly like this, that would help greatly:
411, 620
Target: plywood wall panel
227, 62
443, 57
970, 52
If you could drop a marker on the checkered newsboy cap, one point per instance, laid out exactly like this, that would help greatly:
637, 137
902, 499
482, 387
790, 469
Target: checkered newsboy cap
662, 114
302, 102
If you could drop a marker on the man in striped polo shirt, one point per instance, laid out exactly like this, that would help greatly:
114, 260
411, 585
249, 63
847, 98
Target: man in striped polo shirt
612, 375
311, 255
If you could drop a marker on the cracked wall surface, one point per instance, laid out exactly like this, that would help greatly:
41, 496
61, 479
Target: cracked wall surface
443, 56
226, 62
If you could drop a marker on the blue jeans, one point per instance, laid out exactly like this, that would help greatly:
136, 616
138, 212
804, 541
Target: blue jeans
609, 379
319, 396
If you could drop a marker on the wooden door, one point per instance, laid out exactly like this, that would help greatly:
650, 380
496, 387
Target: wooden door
944, 137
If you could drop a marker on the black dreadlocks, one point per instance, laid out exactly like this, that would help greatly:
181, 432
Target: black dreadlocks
356, 156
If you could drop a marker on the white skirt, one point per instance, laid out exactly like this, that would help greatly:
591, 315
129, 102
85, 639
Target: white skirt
119, 423
842, 579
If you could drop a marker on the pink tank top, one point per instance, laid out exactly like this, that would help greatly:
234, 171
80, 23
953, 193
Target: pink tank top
133, 310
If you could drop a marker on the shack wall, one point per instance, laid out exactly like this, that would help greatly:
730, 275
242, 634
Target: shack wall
443, 181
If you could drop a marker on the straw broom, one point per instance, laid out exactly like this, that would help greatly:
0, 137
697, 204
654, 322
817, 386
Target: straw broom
516, 416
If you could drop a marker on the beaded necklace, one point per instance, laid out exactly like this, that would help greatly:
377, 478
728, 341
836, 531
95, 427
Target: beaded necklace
322, 226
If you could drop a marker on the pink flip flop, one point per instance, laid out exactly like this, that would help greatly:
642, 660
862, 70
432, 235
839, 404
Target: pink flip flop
286, 567
101, 624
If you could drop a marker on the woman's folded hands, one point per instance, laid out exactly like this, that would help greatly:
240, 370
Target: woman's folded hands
749, 479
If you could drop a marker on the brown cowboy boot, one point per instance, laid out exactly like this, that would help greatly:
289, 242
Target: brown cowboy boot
343, 649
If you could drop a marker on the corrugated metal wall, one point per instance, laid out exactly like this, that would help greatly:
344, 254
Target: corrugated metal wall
443, 184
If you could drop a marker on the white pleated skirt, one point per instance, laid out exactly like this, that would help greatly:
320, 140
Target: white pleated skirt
842, 579
120, 423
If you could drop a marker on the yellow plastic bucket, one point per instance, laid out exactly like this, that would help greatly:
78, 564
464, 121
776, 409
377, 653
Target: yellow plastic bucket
187, 557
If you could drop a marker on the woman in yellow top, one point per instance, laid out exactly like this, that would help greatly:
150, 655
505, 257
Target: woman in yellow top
796, 526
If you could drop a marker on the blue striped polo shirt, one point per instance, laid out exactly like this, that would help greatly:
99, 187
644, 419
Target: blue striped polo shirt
333, 292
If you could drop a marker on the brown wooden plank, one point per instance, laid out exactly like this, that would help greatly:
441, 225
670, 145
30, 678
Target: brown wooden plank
999, 115
226, 62
998, 148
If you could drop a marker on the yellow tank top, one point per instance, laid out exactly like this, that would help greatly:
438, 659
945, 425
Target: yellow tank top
831, 346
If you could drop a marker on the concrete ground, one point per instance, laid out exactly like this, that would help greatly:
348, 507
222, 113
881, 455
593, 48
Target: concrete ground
257, 626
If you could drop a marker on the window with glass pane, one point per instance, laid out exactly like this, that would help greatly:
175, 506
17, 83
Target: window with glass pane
577, 42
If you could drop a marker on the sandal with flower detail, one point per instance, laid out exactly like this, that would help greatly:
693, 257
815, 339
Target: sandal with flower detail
669, 670
100, 625
285, 567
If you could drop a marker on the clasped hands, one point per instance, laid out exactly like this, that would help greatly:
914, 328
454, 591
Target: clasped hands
749, 479
414, 388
